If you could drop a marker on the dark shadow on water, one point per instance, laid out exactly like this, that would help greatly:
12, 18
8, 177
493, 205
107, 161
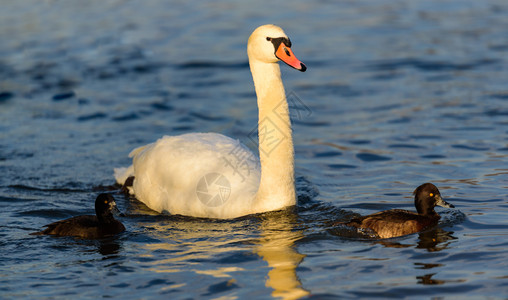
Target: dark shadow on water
433, 240
220, 287
5, 96
370, 157
92, 116
63, 96
428, 280
108, 247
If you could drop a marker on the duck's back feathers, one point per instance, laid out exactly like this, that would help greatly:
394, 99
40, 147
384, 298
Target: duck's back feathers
87, 227
395, 222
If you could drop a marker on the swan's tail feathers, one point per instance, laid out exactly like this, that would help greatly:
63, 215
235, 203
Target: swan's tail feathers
122, 174
137, 150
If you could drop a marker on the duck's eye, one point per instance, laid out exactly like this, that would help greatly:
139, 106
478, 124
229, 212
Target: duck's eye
432, 195
106, 202
268, 38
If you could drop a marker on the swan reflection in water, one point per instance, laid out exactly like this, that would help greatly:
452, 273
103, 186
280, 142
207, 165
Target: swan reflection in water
190, 244
277, 248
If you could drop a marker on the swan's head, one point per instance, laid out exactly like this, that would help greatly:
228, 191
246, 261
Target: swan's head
269, 43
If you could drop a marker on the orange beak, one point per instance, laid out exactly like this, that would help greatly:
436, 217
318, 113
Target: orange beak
285, 54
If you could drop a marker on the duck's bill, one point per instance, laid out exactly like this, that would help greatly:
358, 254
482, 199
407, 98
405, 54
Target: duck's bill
115, 210
285, 54
443, 203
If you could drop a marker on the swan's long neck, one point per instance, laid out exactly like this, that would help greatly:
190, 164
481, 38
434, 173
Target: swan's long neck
277, 187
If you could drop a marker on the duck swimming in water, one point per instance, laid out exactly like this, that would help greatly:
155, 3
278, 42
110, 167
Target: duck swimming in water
398, 222
88, 226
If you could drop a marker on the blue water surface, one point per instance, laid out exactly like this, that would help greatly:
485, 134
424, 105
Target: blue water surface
397, 93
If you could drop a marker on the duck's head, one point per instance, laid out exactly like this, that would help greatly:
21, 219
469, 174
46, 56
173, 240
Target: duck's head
269, 44
427, 196
105, 205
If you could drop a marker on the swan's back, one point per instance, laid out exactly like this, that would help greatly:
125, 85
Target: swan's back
199, 174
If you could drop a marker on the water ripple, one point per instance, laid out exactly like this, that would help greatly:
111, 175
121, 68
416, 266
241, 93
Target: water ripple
426, 65
370, 157
212, 65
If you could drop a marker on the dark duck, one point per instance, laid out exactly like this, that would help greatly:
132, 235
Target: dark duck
398, 222
87, 226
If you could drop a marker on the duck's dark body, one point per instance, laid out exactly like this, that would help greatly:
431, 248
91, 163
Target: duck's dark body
88, 226
395, 222
398, 222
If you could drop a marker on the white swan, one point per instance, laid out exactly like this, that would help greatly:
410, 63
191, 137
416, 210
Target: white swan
213, 176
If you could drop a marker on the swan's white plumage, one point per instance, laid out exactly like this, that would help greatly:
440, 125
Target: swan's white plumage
169, 173
173, 166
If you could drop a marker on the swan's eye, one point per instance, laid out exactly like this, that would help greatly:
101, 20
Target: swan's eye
268, 38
